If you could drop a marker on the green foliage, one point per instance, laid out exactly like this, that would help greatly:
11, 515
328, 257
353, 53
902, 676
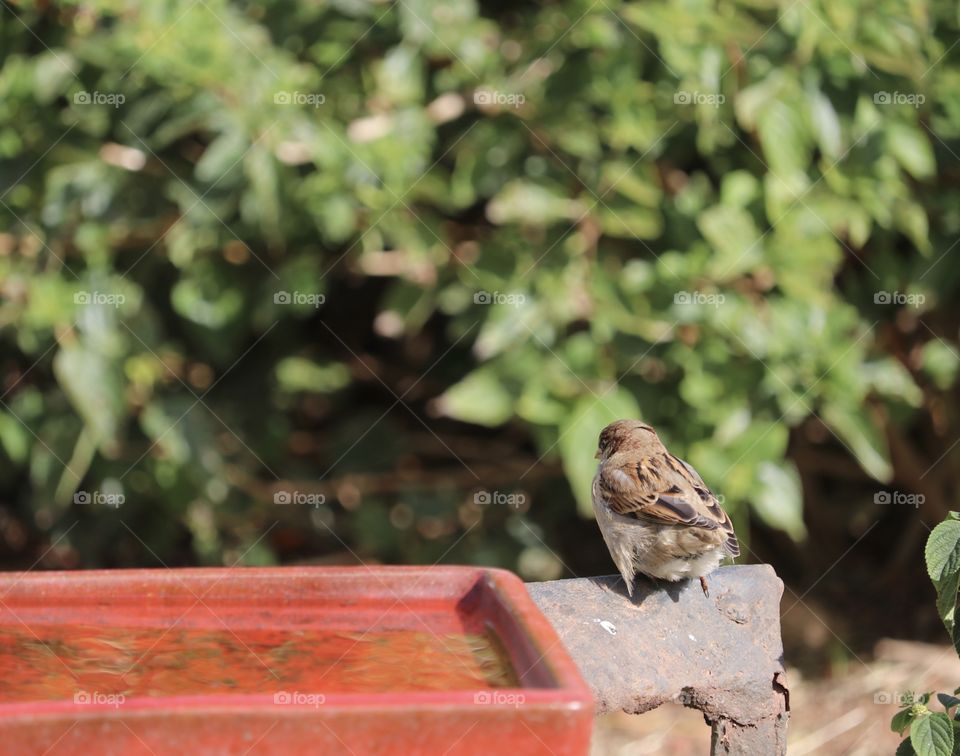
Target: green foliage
932, 734
935, 733
581, 211
943, 565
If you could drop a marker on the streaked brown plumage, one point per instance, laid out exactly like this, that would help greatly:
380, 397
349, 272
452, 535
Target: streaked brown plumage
656, 514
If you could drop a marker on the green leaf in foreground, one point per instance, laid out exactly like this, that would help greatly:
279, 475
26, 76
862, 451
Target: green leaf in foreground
947, 598
943, 550
932, 735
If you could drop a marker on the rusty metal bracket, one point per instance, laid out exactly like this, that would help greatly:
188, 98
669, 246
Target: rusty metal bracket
722, 655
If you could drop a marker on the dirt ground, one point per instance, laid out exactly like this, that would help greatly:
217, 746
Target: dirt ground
847, 712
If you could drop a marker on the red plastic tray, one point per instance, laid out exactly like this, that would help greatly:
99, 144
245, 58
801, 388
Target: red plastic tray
384, 660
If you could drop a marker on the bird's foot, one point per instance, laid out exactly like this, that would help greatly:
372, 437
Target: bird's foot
703, 584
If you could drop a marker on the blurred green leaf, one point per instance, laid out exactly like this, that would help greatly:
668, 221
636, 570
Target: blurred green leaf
479, 398
940, 362
301, 374
911, 147
855, 428
93, 384
15, 438
779, 499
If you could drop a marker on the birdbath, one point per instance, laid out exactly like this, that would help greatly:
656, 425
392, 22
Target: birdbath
386, 660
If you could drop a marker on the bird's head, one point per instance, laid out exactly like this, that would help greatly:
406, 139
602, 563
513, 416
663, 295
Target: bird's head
623, 434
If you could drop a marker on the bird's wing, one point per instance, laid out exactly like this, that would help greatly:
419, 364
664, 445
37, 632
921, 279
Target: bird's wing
666, 490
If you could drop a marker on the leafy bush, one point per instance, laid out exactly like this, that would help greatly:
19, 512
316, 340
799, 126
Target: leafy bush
735, 221
937, 733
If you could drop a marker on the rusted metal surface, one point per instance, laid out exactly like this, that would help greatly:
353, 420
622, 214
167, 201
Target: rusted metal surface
722, 655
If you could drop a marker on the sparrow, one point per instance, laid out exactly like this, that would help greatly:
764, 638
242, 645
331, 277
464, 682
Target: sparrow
656, 514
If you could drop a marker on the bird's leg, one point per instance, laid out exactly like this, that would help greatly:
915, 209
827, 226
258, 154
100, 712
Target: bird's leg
703, 584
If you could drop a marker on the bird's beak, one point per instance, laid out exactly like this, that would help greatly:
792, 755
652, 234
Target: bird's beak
597, 455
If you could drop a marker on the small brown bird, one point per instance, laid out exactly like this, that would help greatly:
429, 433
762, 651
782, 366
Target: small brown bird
656, 514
